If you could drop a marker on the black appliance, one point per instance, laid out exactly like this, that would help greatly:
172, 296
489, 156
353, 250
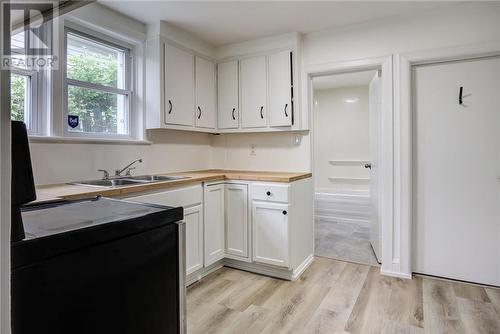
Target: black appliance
23, 186
97, 266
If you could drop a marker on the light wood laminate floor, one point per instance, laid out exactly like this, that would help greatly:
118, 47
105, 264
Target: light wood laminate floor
339, 297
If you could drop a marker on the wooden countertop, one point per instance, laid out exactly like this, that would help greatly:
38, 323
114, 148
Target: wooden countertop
51, 192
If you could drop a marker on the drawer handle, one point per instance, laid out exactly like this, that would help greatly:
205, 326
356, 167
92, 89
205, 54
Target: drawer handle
234, 117
261, 112
170, 106
268, 193
284, 212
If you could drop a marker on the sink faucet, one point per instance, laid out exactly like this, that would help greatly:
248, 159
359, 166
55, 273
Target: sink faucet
127, 168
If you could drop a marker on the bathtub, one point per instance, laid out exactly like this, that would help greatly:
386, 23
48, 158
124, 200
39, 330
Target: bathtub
342, 206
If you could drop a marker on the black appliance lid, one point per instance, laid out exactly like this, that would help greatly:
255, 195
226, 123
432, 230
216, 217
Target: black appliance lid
67, 226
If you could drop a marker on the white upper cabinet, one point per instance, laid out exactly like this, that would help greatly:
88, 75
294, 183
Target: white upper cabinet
253, 86
280, 89
227, 93
205, 93
195, 87
179, 86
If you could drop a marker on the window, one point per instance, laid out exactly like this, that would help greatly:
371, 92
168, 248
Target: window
23, 84
97, 87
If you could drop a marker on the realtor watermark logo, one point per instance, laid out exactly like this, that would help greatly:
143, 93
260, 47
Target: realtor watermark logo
33, 33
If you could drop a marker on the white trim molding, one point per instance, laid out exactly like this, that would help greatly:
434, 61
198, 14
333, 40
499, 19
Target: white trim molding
403, 139
390, 237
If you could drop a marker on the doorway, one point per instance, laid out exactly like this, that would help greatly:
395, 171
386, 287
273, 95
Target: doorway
346, 121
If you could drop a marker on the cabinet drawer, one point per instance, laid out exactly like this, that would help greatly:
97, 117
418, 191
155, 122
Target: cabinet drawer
270, 192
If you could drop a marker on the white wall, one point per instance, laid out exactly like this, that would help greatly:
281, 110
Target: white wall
171, 151
462, 24
341, 132
273, 151
5, 175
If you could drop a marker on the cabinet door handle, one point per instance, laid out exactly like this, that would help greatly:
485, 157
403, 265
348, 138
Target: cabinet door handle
261, 112
170, 106
284, 212
199, 114
234, 117
286, 105
268, 193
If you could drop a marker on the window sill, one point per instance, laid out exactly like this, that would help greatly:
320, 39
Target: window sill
110, 141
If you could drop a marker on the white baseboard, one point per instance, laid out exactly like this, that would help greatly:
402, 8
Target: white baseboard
396, 274
199, 274
302, 267
257, 268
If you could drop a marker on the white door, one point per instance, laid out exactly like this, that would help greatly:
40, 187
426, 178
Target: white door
253, 85
270, 233
179, 86
214, 223
194, 238
205, 93
375, 106
236, 220
227, 95
457, 170
280, 89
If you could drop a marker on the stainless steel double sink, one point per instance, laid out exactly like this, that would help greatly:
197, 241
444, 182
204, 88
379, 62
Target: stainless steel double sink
129, 180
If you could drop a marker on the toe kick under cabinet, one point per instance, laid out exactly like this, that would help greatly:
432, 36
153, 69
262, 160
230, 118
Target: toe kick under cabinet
262, 227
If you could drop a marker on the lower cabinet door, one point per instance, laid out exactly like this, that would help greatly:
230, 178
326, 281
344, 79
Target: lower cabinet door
194, 238
214, 223
236, 221
270, 233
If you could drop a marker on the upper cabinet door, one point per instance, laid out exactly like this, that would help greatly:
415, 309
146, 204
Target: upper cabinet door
227, 88
179, 86
253, 85
205, 93
280, 89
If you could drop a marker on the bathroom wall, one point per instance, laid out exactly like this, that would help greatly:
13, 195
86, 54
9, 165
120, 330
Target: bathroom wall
341, 135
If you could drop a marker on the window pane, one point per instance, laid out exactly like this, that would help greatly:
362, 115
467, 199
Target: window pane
97, 111
18, 49
18, 97
94, 62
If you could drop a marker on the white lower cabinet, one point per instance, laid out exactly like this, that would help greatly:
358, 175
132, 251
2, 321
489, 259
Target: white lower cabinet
214, 223
237, 221
194, 238
270, 233
263, 227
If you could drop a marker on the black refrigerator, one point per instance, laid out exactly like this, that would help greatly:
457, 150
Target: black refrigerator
98, 266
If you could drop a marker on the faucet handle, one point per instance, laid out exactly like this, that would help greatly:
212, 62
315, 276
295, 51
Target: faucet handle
128, 171
106, 174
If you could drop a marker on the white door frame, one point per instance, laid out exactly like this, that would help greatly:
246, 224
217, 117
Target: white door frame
386, 169
403, 136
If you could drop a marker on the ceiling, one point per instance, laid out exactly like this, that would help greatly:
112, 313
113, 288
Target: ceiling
225, 22
343, 80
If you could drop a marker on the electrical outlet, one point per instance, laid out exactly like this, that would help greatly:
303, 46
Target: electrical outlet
253, 151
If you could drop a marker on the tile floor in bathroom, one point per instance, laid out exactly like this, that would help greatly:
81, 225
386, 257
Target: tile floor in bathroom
344, 241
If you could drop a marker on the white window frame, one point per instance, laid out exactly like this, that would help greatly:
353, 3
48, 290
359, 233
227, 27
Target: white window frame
31, 115
127, 91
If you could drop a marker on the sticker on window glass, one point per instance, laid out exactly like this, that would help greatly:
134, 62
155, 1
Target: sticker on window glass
73, 121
